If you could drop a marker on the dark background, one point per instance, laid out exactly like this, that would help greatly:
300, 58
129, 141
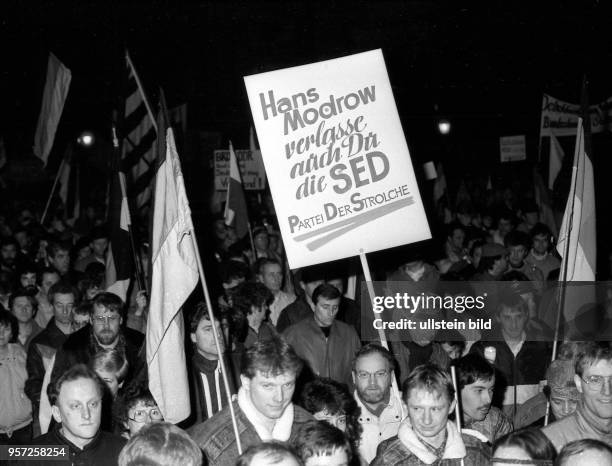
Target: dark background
482, 64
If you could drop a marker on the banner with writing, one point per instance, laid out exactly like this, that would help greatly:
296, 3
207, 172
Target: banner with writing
336, 159
251, 168
512, 148
560, 118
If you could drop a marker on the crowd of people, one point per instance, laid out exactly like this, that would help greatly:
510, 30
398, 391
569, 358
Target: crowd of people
305, 384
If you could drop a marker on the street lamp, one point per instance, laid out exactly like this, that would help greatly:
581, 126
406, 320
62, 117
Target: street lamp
86, 139
444, 126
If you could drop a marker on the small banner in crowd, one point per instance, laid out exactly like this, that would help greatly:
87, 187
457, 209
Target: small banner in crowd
512, 148
251, 169
336, 159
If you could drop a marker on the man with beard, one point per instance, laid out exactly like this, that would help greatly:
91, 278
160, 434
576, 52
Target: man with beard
105, 332
8, 255
593, 418
263, 410
381, 411
476, 380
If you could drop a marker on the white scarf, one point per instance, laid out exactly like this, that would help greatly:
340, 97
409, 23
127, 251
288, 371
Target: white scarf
282, 426
454, 449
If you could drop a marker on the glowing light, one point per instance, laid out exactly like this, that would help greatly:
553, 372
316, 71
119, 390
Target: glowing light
86, 139
444, 126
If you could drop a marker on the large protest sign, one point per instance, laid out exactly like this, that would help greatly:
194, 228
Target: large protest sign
251, 169
561, 118
336, 159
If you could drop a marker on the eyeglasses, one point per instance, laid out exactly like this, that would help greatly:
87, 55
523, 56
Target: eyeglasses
362, 375
105, 319
596, 382
142, 414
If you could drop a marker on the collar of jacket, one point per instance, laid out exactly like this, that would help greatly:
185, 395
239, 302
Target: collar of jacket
454, 449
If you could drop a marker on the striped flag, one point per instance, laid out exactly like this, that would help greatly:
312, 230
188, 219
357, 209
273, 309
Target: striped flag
174, 276
139, 133
578, 226
54, 96
236, 215
119, 265
69, 192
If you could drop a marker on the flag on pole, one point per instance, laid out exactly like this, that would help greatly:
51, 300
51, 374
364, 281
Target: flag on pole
555, 161
174, 276
119, 266
54, 96
138, 152
578, 226
236, 215
69, 191
542, 199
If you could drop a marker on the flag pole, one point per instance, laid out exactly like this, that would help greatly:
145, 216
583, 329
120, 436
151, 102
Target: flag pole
59, 171
381, 333
563, 281
453, 372
252, 242
216, 338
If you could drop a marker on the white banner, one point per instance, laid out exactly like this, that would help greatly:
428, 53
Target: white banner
251, 167
336, 159
560, 118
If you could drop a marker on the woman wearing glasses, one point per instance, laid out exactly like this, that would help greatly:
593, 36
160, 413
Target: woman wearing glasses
134, 409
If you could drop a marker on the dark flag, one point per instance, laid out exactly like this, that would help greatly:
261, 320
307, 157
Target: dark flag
119, 265
139, 134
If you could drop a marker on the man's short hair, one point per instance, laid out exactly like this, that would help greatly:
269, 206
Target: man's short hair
375, 348
250, 294
431, 378
110, 360
323, 394
56, 246
45, 271
326, 291
79, 371
160, 444
24, 293
84, 309
517, 238
110, 301
9, 320
590, 354
273, 452
510, 300
319, 438
62, 287
580, 446
538, 230
231, 270
199, 313
261, 263
532, 441
271, 357
471, 368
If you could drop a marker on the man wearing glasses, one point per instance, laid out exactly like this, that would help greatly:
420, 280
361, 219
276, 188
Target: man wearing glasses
593, 418
105, 332
381, 411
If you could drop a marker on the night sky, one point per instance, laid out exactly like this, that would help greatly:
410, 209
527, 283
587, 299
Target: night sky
482, 64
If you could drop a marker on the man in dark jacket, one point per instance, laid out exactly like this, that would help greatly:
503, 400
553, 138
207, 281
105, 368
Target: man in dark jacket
263, 410
62, 297
520, 355
105, 332
207, 387
76, 400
